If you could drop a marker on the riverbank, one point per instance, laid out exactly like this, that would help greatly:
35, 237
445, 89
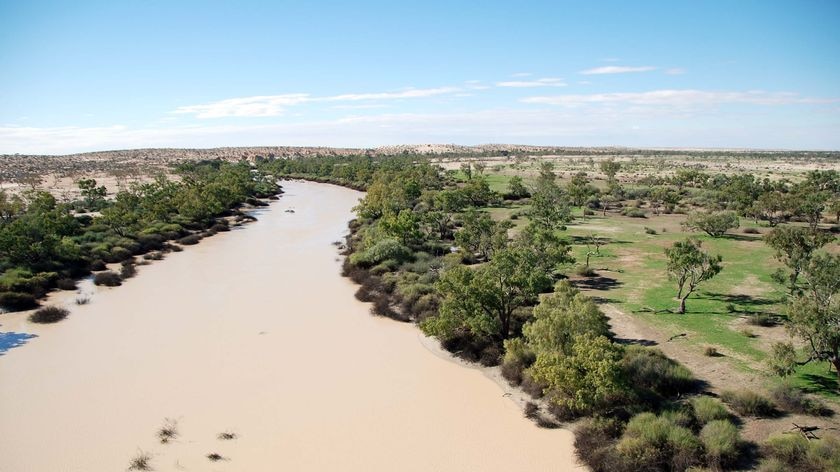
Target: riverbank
254, 332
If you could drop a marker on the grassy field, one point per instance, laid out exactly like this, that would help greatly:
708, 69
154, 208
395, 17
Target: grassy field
632, 276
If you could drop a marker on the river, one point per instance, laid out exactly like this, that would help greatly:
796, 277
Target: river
253, 332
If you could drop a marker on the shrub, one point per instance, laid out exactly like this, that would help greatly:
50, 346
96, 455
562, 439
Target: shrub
128, 271
761, 319
710, 351
66, 284
748, 403
585, 271
713, 224
595, 444
190, 240
794, 400
382, 250
656, 443
790, 449
722, 442
97, 265
782, 359
153, 256
708, 409
107, 278
518, 357
220, 227
747, 332
650, 231
119, 254
649, 369
16, 301
49, 314
633, 212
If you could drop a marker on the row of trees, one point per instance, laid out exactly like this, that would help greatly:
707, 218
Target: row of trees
43, 240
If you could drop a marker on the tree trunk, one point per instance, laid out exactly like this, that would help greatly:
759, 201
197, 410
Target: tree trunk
682, 305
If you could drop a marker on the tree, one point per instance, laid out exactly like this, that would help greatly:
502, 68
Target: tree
549, 208
689, 265
466, 168
610, 168
715, 224
795, 246
479, 234
482, 300
583, 380
516, 188
94, 196
815, 313
11, 206
593, 246
663, 196
773, 207
579, 189
560, 316
404, 226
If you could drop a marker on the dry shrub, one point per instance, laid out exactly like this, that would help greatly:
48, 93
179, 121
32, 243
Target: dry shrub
49, 314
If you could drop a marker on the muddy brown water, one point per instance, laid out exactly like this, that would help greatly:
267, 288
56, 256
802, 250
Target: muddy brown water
253, 332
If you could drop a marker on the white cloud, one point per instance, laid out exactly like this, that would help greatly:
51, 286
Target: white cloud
265, 105
274, 105
679, 97
549, 126
616, 70
546, 82
408, 93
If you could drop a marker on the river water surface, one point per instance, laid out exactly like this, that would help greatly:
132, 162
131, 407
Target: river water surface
253, 332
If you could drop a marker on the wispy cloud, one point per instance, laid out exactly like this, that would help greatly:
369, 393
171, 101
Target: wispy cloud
263, 105
680, 97
274, 105
616, 70
546, 82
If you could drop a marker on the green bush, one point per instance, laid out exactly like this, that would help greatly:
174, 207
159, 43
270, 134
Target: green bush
649, 369
16, 301
653, 442
381, 251
66, 284
518, 357
722, 442
748, 403
97, 265
708, 409
190, 240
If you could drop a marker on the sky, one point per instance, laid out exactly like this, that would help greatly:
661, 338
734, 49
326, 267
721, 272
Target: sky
95, 75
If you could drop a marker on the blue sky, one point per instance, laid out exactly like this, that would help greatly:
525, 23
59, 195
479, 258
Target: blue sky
95, 75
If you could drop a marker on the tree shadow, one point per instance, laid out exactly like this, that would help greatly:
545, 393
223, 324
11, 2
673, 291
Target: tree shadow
738, 299
820, 383
636, 342
12, 340
741, 237
597, 283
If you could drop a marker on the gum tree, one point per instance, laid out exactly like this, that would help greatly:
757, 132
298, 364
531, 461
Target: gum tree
690, 266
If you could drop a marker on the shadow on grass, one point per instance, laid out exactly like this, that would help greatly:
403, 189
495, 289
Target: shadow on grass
13, 340
637, 342
597, 283
821, 383
738, 299
741, 237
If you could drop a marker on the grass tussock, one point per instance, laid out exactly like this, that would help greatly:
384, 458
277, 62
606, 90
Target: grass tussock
49, 314
168, 432
792, 452
142, 462
749, 403
227, 436
722, 443
215, 457
794, 400
128, 271
708, 409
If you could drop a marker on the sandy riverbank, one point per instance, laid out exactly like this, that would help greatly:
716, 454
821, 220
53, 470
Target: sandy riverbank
254, 332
